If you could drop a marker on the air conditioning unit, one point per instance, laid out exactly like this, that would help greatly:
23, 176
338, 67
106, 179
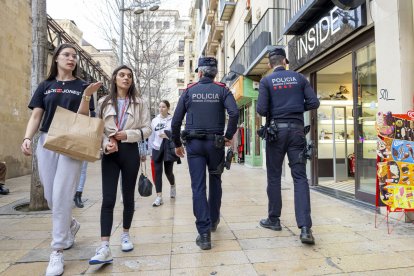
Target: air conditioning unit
256, 85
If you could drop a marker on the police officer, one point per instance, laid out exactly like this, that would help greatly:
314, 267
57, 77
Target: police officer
205, 103
284, 96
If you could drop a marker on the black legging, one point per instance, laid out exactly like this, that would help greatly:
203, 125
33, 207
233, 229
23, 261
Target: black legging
158, 174
126, 161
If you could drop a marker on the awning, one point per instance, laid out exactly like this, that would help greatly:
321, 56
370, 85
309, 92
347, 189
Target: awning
309, 14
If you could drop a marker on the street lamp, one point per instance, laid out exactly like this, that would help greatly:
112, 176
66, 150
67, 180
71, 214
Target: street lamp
136, 10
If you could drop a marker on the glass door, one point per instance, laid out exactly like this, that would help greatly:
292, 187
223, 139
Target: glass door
366, 107
335, 125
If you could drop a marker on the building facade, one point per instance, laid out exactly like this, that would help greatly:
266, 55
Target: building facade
155, 43
347, 53
15, 52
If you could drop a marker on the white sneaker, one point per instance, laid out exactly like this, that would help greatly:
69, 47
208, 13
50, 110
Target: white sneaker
74, 228
126, 243
173, 191
56, 264
158, 201
103, 256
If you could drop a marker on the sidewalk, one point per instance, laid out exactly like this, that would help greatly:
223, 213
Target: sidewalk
346, 239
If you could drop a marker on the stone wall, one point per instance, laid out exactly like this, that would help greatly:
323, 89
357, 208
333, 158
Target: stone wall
15, 53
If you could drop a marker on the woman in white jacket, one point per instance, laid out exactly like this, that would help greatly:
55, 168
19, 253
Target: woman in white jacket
160, 124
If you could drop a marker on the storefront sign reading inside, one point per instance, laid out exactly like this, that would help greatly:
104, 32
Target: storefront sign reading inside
330, 29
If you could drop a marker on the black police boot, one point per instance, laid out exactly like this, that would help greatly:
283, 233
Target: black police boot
204, 241
3, 191
306, 235
274, 225
214, 225
78, 200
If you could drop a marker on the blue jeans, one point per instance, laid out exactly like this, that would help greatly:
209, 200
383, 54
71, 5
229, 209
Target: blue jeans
82, 177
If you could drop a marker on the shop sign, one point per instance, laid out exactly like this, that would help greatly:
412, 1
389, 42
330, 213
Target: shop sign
329, 30
238, 88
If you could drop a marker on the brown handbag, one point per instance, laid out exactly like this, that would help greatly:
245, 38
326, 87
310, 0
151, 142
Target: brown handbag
75, 135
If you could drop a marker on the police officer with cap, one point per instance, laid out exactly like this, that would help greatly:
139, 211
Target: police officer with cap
284, 96
205, 103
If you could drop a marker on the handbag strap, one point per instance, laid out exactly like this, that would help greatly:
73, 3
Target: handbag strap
143, 171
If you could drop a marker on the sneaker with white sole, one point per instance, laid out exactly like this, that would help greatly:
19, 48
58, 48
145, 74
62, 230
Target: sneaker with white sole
173, 191
158, 202
126, 244
56, 264
74, 228
103, 256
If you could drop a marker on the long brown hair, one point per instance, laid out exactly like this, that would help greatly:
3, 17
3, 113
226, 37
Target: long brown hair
131, 94
53, 68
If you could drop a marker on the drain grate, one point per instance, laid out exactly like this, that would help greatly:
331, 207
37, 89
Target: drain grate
20, 207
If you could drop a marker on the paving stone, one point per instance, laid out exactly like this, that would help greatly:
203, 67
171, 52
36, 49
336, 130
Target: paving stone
347, 242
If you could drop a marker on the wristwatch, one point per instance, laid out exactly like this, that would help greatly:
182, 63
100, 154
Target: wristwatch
86, 98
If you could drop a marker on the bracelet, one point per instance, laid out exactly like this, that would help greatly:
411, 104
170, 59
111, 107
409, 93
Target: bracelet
26, 138
86, 98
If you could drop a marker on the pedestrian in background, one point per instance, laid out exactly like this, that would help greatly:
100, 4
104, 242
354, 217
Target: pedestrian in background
126, 119
284, 96
205, 103
82, 179
58, 173
79, 190
161, 134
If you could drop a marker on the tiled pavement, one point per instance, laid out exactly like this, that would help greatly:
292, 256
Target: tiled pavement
346, 240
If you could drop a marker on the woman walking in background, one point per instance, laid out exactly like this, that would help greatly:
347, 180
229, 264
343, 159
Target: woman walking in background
159, 143
126, 118
58, 173
82, 179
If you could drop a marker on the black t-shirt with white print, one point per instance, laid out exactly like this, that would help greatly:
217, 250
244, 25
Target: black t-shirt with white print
52, 93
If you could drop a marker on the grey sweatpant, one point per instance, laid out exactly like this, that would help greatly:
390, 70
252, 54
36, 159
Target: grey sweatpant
59, 175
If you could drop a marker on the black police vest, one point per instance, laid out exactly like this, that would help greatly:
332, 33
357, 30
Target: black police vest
205, 111
286, 95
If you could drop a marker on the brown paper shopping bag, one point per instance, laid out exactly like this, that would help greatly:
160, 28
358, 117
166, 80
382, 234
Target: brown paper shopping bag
75, 135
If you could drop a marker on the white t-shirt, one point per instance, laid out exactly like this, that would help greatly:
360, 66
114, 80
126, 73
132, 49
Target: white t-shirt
158, 125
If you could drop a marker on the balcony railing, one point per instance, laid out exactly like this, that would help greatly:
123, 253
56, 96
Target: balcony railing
266, 33
227, 9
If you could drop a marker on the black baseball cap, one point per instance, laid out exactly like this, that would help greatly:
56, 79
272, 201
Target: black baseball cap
206, 61
279, 52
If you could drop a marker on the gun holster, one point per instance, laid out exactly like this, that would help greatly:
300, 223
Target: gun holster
219, 141
269, 131
229, 158
306, 153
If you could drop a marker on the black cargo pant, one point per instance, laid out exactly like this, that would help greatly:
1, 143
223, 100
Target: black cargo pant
291, 141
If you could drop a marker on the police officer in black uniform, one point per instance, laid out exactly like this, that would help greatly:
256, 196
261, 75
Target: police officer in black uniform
284, 96
205, 103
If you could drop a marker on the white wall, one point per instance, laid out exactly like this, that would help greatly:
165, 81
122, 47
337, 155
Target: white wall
394, 38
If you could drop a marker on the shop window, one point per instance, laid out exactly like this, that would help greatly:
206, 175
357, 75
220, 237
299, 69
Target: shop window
166, 24
248, 129
258, 123
367, 109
